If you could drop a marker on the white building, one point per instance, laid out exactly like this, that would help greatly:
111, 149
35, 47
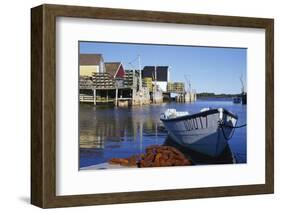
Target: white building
159, 74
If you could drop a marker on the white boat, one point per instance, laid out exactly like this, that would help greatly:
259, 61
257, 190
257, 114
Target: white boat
206, 132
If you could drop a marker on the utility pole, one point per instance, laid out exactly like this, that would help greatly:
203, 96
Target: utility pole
155, 86
140, 79
242, 84
155, 75
189, 92
133, 71
140, 72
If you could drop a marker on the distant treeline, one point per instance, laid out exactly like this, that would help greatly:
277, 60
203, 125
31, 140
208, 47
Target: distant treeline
213, 95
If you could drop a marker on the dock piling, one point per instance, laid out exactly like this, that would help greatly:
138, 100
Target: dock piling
116, 97
95, 96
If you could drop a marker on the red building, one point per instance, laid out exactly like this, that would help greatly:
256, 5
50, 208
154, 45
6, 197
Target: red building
115, 69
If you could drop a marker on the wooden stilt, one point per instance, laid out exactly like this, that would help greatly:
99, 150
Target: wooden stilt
107, 96
95, 96
116, 97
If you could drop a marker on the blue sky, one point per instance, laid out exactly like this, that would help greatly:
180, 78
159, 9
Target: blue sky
209, 69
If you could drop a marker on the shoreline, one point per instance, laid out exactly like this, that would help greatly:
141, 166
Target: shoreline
105, 165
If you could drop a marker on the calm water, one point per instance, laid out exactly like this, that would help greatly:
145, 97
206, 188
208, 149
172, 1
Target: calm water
107, 132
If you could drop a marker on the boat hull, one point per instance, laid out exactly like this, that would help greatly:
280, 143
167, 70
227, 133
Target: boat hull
202, 132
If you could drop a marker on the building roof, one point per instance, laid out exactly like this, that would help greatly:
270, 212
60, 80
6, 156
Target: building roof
112, 67
161, 72
90, 59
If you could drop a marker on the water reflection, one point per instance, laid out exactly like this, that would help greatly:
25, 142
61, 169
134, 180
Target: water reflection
226, 157
99, 125
107, 132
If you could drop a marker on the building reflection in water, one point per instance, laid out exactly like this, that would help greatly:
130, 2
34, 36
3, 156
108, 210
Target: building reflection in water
99, 125
108, 130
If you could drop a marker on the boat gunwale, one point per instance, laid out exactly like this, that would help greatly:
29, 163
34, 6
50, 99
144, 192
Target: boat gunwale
199, 114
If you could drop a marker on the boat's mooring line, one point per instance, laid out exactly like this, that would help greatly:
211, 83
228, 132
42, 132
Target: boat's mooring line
234, 127
239, 156
221, 125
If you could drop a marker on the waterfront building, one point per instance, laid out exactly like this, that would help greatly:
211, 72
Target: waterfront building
147, 82
175, 87
115, 69
90, 64
159, 74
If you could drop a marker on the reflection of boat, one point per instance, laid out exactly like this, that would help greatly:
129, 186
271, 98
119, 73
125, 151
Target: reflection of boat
226, 157
236, 100
206, 132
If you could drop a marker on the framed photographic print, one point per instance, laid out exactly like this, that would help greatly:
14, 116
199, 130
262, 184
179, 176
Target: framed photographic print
136, 106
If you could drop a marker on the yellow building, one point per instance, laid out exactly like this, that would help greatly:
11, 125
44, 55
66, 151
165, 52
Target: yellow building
175, 87
90, 64
147, 82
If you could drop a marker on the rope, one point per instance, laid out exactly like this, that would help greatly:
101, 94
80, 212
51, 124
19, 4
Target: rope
221, 125
234, 127
239, 156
